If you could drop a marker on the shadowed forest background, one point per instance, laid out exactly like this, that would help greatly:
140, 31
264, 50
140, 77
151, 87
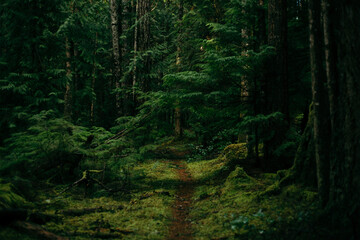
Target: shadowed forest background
179, 119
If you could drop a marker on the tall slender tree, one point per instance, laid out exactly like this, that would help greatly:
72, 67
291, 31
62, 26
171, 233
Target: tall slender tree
141, 45
68, 97
177, 111
114, 11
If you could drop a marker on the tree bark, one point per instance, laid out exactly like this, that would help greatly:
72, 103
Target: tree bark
345, 92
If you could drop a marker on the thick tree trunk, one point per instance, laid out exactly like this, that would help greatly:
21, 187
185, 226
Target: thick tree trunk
345, 159
320, 103
114, 9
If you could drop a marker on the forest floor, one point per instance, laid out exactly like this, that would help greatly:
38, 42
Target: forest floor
176, 199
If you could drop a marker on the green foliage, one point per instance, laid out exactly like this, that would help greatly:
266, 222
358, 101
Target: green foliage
10, 199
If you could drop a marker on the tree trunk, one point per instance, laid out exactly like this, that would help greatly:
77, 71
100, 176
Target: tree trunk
320, 103
177, 112
262, 23
93, 81
304, 169
126, 83
69, 85
141, 44
275, 84
345, 92
116, 52
277, 37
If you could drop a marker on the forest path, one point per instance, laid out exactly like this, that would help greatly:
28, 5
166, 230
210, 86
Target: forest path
181, 225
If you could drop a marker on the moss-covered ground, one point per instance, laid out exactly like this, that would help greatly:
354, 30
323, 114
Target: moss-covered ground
239, 206
226, 204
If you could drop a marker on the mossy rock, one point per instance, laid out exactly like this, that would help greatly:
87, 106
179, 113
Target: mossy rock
9, 199
236, 151
237, 154
239, 175
238, 179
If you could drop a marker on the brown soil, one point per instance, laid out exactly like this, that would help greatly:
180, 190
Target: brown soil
181, 226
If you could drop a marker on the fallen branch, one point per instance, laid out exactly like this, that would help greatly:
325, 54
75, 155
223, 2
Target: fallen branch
126, 131
86, 178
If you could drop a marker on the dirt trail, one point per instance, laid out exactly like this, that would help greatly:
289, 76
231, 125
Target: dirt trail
181, 226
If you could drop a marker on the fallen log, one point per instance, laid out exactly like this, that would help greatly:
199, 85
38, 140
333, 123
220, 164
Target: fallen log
35, 230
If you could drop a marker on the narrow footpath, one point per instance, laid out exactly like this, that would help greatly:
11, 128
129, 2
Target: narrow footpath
181, 226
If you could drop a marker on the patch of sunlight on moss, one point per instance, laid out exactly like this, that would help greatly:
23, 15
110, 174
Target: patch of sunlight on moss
202, 170
159, 170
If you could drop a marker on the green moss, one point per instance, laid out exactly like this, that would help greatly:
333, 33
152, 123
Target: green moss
204, 170
144, 214
234, 206
236, 152
273, 189
243, 207
238, 179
